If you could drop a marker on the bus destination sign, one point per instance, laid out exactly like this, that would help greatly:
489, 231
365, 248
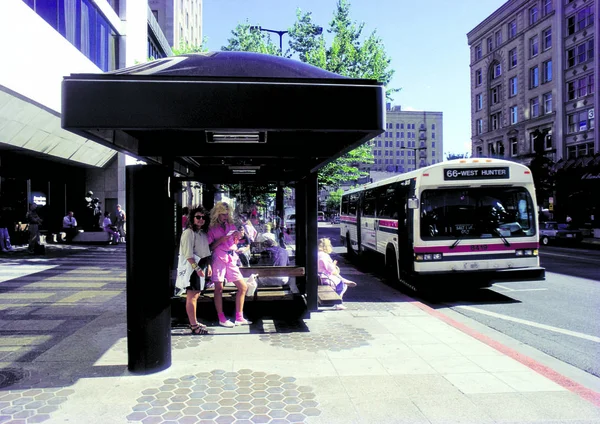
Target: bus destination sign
495, 173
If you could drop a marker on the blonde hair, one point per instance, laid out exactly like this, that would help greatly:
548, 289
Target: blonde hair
218, 209
325, 245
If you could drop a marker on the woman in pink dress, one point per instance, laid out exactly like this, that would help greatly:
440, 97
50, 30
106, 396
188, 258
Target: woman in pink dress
223, 237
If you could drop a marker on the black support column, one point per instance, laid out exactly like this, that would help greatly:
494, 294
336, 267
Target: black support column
300, 189
312, 282
149, 256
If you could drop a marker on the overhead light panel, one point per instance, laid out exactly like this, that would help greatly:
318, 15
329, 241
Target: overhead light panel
241, 137
244, 169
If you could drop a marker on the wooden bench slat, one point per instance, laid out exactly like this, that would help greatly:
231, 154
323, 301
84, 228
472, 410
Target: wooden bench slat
273, 271
327, 296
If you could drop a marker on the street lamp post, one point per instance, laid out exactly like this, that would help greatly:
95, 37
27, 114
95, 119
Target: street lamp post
317, 31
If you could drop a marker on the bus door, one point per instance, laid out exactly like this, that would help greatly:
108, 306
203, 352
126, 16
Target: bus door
368, 223
405, 238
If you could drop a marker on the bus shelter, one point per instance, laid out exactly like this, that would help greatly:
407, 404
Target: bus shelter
219, 117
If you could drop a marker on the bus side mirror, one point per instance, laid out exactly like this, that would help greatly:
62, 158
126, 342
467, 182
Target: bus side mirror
413, 203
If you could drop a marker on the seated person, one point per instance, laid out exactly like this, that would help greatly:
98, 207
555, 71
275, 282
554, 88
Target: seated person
274, 256
69, 226
243, 247
108, 226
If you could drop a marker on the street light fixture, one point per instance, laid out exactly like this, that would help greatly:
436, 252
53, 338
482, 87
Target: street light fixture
317, 30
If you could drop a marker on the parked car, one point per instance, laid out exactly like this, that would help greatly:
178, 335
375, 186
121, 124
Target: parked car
553, 231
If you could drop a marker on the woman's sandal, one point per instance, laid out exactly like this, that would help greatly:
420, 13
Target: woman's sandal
199, 329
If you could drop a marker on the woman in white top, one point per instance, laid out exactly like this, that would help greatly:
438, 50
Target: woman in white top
194, 260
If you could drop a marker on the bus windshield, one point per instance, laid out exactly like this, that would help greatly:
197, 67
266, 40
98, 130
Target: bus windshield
482, 212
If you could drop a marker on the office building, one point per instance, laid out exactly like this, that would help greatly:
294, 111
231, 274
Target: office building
42, 42
412, 140
534, 68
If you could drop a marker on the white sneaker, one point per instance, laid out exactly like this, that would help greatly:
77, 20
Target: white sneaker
242, 321
339, 307
227, 324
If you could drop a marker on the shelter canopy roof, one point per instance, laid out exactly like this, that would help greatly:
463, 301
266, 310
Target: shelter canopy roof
228, 116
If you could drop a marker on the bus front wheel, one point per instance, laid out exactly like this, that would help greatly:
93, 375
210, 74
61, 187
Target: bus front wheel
391, 267
352, 254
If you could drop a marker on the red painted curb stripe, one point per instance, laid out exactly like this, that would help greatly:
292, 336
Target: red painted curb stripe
549, 373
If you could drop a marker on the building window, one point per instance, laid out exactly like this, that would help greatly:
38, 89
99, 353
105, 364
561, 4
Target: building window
497, 72
548, 141
547, 71
571, 93
490, 44
479, 126
512, 29
571, 25
478, 77
534, 77
513, 87
478, 102
512, 58
547, 103
570, 58
498, 38
495, 121
533, 15
547, 7
547, 33
580, 121
533, 46
514, 146
534, 107
495, 95
585, 18
478, 52
514, 115
479, 151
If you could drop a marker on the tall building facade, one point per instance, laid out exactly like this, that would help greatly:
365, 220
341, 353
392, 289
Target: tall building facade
534, 73
412, 140
42, 42
180, 20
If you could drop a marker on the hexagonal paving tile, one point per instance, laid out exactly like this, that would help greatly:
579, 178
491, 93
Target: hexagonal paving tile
30, 404
226, 397
333, 337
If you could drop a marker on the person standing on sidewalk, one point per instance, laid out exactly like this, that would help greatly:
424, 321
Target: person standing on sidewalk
194, 265
223, 237
33, 223
5, 245
120, 222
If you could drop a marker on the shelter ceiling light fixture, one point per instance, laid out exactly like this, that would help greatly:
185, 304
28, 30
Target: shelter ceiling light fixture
244, 169
236, 137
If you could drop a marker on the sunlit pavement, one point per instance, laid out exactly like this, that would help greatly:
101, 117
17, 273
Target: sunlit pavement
385, 359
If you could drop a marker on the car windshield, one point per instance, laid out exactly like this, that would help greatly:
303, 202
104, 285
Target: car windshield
498, 212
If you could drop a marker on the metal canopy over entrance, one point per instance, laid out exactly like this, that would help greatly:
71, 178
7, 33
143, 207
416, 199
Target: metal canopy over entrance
222, 117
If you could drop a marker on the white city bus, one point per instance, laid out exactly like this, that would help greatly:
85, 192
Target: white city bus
462, 218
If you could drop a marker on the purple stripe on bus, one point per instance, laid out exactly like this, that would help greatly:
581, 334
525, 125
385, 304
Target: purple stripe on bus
475, 248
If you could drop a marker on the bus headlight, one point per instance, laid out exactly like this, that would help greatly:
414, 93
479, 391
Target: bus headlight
420, 257
526, 252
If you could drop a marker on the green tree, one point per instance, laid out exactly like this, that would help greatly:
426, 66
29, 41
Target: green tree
334, 200
186, 48
349, 54
246, 39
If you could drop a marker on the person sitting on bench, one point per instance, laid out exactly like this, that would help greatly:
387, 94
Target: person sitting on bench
69, 226
329, 272
274, 255
108, 226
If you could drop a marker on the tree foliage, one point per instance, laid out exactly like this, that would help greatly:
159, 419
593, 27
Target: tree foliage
334, 200
349, 54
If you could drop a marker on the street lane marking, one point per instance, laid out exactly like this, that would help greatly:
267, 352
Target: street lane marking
517, 290
563, 256
532, 324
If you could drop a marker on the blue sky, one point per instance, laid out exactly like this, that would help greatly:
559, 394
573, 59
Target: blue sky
427, 42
